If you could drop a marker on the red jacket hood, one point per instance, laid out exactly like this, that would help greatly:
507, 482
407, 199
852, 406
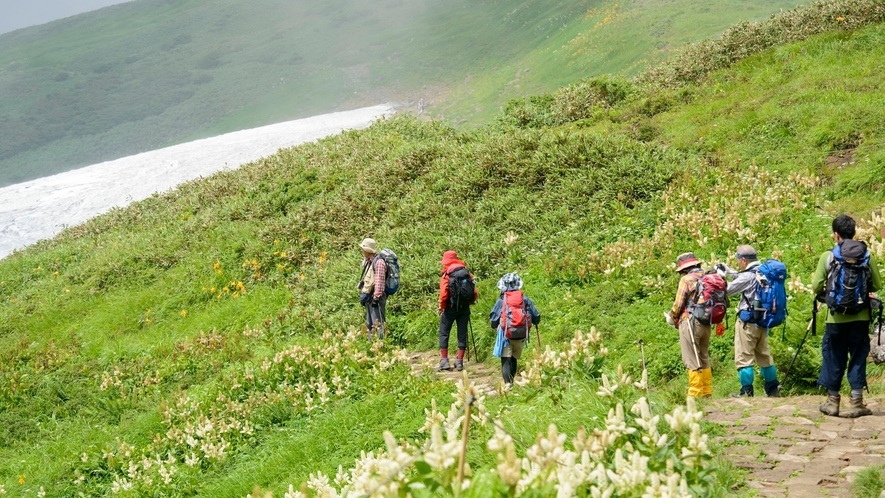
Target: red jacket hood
450, 257
451, 265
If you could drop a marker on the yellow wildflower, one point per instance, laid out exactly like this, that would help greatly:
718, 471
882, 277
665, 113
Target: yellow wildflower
184, 313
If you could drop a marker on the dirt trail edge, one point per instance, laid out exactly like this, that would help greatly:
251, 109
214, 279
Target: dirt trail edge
484, 377
791, 449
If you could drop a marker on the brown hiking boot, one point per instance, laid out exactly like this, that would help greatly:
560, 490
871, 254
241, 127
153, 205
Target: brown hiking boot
831, 407
857, 408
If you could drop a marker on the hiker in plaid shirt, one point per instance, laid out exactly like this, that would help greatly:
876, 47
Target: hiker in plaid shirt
371, 287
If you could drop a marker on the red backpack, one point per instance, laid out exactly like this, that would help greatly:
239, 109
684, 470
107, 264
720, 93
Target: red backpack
514, 316
711, 301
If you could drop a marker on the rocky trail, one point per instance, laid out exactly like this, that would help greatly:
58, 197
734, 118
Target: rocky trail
791, 449
486, 378
786, 445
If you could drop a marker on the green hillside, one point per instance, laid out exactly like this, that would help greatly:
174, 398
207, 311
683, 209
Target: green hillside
149, 74
205, 342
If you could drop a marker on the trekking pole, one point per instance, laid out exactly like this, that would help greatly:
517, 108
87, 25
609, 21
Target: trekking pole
877, 304
383, 319
642, 353
538, 333
694, 346
472, 341
812, 327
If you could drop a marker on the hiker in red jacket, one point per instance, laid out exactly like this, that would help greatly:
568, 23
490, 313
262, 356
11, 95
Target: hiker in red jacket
457, 291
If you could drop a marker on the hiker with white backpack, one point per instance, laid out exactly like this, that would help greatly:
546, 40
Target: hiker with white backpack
762, 305
512, 317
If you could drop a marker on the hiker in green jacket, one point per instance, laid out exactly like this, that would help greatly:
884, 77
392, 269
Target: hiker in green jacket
846, 341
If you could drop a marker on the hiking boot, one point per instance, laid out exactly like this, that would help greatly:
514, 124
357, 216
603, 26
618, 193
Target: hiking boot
773, 389
444, 364
857, 408
831, 407
746, 391
459, 365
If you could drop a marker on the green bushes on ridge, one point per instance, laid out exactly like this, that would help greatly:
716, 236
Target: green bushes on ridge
749, 38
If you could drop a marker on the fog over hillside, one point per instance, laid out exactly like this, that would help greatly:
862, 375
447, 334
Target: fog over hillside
19, 14
41, 208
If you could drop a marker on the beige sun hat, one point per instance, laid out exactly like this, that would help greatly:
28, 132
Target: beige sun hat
686, 260
369, 245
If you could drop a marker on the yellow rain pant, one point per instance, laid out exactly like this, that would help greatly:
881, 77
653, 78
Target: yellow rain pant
700, 383
695, 384
707, 382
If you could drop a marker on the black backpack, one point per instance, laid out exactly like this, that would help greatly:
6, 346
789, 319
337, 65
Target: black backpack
848, 275
461, 289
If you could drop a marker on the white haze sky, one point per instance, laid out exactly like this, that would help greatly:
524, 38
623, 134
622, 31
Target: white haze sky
16, 14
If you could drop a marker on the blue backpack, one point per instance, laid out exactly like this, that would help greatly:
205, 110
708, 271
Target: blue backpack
848, 272
391, 282
770, 307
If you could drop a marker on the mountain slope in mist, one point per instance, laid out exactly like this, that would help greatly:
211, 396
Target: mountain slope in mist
151, 73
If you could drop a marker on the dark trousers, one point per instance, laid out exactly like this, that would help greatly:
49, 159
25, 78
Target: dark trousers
845, 344
446, 319
376, 316
508, 369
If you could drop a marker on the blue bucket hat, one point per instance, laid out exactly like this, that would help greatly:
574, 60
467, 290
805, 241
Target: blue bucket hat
510, 282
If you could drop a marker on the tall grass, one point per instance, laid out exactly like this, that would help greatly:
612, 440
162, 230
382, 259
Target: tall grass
214, 311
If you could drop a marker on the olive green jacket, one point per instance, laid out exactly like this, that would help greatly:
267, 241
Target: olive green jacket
819, 280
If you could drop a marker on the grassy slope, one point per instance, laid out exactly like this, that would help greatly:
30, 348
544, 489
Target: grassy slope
584, 198
148, 74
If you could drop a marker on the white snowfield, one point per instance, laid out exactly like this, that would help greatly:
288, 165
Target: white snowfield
41, 208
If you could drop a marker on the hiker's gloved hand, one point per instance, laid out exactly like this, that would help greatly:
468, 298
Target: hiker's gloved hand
670, 320
376, 301
365, 298
722, 269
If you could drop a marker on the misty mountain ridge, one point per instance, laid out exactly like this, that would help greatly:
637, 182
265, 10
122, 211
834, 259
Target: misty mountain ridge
152, 73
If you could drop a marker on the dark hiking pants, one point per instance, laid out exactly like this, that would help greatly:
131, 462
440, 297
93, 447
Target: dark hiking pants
448, 318
845, 344
376, 316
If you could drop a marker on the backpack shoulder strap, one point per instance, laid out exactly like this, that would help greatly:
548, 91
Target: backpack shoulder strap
366, 268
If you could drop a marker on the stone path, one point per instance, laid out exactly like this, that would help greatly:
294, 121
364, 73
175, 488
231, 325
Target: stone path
486, 379
791, 449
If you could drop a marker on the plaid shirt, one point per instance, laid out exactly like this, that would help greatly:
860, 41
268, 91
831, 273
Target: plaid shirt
380, 276
688, 284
